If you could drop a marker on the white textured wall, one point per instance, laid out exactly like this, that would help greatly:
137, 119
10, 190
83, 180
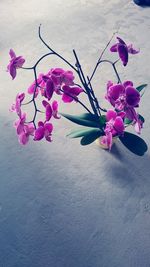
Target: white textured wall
62, 205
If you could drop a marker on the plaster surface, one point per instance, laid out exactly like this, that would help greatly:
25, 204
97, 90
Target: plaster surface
63, 205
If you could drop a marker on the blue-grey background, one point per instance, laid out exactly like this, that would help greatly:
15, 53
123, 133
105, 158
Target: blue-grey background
63, 205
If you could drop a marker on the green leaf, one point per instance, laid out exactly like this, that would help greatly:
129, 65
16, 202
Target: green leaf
88, 116
85, 119
102, 120
141, 87
134, 143
127, 121
90, 138
83, 132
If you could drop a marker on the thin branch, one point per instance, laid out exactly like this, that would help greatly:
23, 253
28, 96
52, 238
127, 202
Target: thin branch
97, 64
54, 52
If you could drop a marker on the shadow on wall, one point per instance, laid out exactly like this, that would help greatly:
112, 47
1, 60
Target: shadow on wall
142, 2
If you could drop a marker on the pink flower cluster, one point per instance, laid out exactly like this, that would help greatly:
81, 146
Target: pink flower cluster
125, 99
56, 81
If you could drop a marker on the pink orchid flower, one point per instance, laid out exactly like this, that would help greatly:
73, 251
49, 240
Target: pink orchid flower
43, 130
28, 130
123, 50
51, 110
114, 127
19, 124
15, 63
24, 130
123, 97
69, 91
68, 77
60, 76
16, 107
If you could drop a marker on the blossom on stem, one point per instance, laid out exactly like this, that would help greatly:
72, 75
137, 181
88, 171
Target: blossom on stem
14, 64
70, 93
24, 130
28, 131
123, 50
114, 127
60, 76
16, 107
123, 97
19, 124
51, 110
43, 130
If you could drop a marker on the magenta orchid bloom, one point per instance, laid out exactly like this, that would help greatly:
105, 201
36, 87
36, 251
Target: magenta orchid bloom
60, 76
69, 91
24, 130
14, 64
28, 131
19, 124
51, 110
43, 130
123, 96
114, 127
123, 50
16, 107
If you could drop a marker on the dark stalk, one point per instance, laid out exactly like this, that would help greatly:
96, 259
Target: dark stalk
97, 64
84, 83
54, 52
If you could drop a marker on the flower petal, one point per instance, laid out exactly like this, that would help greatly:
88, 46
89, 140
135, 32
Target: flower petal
121, 41
12, 53
107, 140
119, 125
68, 77
114, 48
48, 112
131, 50
48, 127
127, 83
55, 109
123, 53
23, 139
111, 114
115, 91
49, 89
12, 71
132, 96
131, 114
39, 133
66, 98
19, 61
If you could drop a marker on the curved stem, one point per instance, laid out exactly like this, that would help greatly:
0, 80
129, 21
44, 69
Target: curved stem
54, 52
102, 55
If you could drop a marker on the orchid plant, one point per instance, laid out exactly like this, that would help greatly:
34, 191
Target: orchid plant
97, 123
